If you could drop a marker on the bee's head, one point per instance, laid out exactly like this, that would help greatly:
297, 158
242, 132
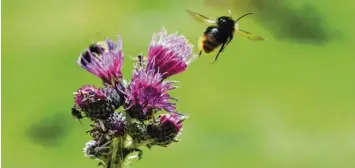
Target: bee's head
225, 21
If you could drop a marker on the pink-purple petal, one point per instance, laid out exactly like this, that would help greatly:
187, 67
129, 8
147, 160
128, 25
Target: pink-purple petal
172, 119
148, 92
169, 54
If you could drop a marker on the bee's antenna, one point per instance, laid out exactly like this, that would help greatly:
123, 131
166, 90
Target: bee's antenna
243, 16
230, 13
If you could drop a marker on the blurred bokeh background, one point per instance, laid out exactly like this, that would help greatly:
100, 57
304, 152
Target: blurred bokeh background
285, 102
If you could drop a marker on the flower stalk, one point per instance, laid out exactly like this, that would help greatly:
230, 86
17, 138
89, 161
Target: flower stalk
116, 159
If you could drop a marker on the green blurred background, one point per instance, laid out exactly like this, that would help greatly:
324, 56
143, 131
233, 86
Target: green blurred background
284, 102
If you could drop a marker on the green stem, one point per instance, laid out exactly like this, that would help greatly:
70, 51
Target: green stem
116, 158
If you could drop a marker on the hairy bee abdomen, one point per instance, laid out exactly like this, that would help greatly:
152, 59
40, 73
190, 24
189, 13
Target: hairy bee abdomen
208, 43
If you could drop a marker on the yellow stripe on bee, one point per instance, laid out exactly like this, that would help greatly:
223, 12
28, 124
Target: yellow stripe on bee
201, 41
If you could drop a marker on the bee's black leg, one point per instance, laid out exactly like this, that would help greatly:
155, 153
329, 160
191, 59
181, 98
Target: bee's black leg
199, 54
244, 31
229, 40
220, 50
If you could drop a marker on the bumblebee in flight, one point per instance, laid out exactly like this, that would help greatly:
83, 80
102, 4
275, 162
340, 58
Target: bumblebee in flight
220, 33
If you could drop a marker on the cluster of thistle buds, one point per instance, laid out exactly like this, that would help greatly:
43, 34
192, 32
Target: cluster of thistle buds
129, 115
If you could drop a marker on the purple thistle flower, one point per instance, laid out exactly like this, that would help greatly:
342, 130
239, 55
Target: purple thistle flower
169, 54
118, 136
166, 129
104, 59
172, 120
148, 92
116, 123
93, 102
88, 94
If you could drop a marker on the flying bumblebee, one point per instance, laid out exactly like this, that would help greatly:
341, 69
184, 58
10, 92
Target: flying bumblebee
220, 33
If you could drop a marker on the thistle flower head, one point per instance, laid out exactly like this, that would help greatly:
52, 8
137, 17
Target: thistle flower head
138, 132
172, 120
116, 123
166, 129
89, 149
169, 54
94, 102
148, 92
113, 93
94, 149
88, 94
104, 59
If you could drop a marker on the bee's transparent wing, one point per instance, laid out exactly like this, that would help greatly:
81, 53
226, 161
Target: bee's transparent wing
200, 17
249, 35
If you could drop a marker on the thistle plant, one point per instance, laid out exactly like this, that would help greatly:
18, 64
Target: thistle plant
127, 116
